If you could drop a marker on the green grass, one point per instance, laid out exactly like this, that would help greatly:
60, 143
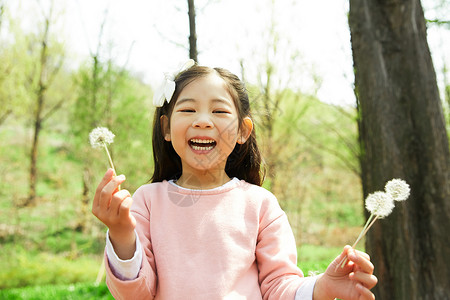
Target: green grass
21, 267
78, 291
315, 259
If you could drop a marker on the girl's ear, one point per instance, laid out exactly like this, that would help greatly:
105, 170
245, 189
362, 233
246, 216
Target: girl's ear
165, 128
245, 130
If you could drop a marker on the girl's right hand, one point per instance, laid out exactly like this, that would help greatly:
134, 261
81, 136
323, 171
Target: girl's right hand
112, 207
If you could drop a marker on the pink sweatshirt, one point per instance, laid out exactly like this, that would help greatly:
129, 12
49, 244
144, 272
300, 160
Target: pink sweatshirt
232, 242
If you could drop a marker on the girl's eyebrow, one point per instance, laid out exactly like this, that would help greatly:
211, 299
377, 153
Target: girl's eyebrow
221, 101
181, 101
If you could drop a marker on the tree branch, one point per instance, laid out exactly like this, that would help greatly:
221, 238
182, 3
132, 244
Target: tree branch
335, 153
55, 71
5, 115
52, 110
169, 40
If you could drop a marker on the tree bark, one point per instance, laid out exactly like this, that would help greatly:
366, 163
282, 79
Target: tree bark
40, 100
193, 54
402, 134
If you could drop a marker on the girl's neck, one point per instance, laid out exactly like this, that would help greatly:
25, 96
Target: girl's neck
203, 180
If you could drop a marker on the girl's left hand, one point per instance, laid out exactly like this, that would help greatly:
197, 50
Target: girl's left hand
352, 282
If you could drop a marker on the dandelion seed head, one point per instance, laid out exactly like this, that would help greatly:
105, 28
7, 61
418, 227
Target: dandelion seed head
100, 136
398, 189
380, 204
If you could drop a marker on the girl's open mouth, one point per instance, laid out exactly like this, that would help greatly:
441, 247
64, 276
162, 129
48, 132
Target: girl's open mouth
202, 145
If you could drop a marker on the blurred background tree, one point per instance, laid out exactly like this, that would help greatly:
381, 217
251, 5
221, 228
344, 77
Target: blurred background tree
46, 60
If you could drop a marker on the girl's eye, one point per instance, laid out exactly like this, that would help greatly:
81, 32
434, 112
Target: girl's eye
187, 110
221, 111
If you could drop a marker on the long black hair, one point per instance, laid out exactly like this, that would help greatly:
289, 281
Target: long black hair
244, 161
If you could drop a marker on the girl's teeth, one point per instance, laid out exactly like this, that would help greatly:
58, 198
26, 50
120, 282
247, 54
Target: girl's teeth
202, 144
202, 148
198, 141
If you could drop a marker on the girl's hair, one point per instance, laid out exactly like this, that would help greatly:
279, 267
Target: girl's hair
245, 160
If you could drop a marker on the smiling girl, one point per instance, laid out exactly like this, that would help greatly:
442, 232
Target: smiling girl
205, 228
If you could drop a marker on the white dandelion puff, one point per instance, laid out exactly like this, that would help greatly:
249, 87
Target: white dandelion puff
398, 189
101, 136
380, 204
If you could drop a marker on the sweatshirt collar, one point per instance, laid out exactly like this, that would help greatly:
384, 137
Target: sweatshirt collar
217, 190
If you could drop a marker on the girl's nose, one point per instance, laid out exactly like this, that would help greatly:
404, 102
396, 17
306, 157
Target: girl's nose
203, 121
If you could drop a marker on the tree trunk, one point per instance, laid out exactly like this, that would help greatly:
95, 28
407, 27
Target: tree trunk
402, 133
40, 99
193, 54
34, 153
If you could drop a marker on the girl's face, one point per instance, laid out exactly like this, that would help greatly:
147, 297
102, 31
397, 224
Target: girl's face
204, 125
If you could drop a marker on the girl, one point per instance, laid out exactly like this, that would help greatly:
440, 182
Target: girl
205, 228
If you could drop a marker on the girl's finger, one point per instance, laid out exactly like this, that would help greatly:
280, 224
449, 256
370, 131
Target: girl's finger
125, 206
367, 280
364, 254
109, 190
361, 261
365, 293
341, 260
106, 178
117, 200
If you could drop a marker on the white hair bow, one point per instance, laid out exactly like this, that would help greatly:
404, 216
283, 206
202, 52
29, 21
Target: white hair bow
167, 87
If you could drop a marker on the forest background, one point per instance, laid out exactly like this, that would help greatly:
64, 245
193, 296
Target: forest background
50, 101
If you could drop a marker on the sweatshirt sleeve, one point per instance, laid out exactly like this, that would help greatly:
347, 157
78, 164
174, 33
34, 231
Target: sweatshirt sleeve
144, 285
305, 291
276, 254
124, 269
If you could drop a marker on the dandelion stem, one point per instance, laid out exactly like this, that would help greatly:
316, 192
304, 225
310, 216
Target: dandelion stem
109, 157
370, 225
110, 160
366, 227
362, 231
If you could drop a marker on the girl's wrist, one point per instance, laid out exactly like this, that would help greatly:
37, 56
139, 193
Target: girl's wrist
124, 243
319, 292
